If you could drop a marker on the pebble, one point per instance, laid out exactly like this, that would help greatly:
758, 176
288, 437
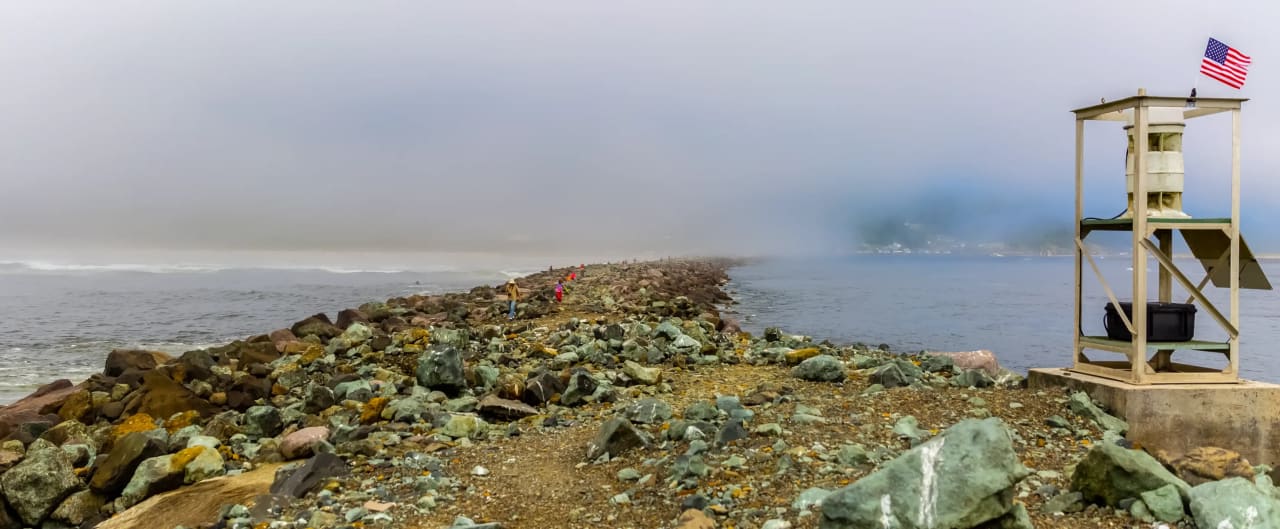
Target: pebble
479, 471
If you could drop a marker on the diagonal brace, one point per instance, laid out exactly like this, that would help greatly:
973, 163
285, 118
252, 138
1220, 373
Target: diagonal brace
1115, 302
1167, 263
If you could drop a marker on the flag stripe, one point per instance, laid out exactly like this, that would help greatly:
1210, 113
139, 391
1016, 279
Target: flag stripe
1210, 65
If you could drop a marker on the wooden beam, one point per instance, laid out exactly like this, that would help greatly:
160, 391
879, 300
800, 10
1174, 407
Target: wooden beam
1192, 113
1079, 247
1234, 359
1097, 111
1138, 357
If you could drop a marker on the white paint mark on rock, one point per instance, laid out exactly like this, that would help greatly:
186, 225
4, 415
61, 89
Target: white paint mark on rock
930, 458
886, 507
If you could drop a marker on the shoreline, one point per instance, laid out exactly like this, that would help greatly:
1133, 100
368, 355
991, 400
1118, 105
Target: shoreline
417, 410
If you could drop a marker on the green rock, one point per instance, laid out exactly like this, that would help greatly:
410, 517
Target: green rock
852, 455
208, 464
821, 368
154, 475
1234, 503
701, 411
649, 411
648, 376
460, 426
907, 428
1082, 405
937, 363
1164, 503
896, 373
959, 479
1110, 473
440, 367
972, 378
811, 497
1016, 518
1139, 511
263, 421
1067, 502
40, 482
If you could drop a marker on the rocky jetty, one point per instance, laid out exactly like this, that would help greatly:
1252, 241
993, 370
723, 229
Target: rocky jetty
635, 403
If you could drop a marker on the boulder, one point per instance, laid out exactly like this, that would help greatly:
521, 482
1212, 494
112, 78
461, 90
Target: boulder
1082, 405
896, 373
161, 396
300, 444
617, 435
1234, 503
317, 325
153, 476
541, 387
263, 421
649, 376
932, 363
297, 481
459, 426
1209, 463
206, 464
649, 411
346, 317
115, 471
959, 479
1164, 503
731, 431
78, 508
821, 368
35, 486
46, 400
581, 385
1110, 473
440, 368
121, 360
194, 365
318, 398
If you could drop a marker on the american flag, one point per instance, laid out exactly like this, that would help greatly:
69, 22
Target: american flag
1225, 64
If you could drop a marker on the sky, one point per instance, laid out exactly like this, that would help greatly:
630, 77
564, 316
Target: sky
595, 128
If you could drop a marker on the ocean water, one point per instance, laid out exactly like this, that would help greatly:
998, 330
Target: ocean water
1018, 307
60, 321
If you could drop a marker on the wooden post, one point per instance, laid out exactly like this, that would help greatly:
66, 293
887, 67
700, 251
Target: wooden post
1233, 362
1138, 354
1079, 247
1163, 359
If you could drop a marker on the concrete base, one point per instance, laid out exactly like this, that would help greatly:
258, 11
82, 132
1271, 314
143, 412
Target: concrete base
1244, 417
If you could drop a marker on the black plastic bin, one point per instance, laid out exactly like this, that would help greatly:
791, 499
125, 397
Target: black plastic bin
1166, 322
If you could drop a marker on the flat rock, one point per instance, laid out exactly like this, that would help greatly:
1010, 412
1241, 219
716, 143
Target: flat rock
504, 409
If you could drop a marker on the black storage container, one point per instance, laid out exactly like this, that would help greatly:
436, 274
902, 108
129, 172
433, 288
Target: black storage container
1166, 322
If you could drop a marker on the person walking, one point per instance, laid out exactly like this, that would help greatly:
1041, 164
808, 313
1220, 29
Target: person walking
513, 295
559, 290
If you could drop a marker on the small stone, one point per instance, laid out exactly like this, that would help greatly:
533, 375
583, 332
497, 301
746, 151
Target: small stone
628, 474
479, 471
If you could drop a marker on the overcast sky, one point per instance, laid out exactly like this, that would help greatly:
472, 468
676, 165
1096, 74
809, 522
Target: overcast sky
593, 127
